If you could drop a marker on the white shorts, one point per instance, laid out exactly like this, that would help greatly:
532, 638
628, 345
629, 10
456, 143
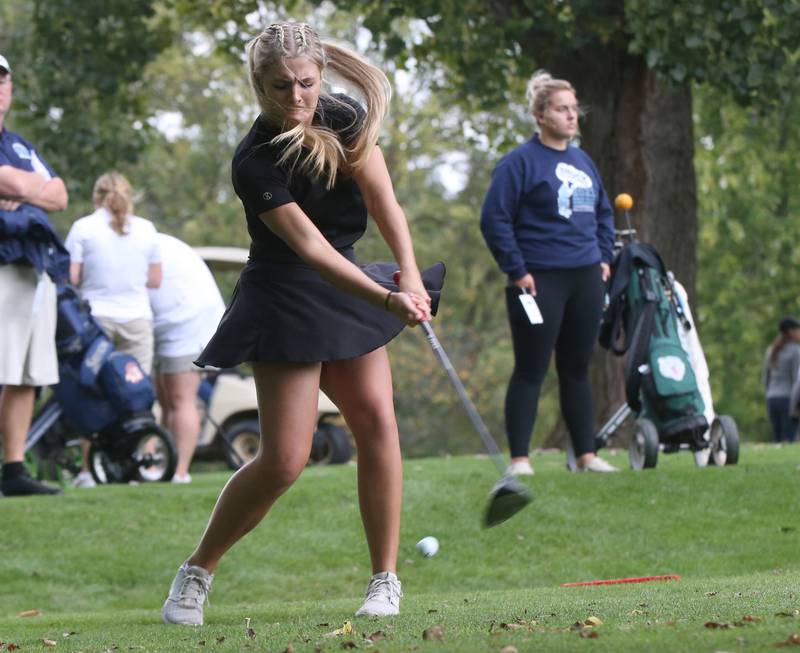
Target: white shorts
27, 327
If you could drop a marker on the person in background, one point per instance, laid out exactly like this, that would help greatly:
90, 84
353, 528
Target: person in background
187, 307
303, 312
114, 259
29, 266
779, 375
548, 223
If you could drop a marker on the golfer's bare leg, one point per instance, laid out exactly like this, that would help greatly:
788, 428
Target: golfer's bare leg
16, 413
362, 389
182, 417
287, 404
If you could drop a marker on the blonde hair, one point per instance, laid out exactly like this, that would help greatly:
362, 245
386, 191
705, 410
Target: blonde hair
541, 87
325, 154
114, 193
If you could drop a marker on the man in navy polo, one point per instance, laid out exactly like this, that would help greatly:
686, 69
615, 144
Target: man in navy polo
29, 257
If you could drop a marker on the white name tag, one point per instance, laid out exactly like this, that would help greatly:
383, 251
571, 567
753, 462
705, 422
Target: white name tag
531, 308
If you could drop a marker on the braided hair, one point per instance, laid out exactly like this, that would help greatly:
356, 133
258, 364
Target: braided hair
315, 149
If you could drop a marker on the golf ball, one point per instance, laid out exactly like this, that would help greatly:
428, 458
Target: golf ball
428, 546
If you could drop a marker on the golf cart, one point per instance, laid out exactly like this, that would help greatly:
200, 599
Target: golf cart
229, 406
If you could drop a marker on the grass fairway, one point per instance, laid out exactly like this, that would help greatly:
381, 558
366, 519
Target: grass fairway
96, 564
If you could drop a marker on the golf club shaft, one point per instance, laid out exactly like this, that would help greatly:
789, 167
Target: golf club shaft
477, 422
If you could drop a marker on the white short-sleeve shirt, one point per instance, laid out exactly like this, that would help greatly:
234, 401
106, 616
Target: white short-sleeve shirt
188, 305
114, 273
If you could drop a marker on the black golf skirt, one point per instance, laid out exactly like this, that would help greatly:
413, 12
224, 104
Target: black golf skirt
288, 312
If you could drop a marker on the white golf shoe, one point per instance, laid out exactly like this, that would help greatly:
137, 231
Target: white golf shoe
597, 464
519, 468
382, 596
188, 592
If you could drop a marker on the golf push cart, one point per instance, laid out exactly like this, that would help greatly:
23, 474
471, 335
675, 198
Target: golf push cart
648, 321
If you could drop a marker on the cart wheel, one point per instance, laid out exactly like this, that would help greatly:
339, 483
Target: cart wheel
146, 455
242, 441
643, 450
331, 445
724, 441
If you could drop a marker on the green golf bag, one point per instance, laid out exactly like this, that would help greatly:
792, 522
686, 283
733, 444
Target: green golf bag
641, 323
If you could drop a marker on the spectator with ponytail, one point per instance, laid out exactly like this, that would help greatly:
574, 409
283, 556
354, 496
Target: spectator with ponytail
547, 220
779, 375
114, 259
305, 313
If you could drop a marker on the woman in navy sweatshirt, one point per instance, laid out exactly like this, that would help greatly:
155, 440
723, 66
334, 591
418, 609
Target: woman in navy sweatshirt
547, 221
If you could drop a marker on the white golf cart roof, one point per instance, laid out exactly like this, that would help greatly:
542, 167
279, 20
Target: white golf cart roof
223, 258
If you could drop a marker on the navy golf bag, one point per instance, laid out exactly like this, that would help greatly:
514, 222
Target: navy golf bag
103, 395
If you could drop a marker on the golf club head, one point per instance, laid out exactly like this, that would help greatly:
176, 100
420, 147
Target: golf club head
507, 498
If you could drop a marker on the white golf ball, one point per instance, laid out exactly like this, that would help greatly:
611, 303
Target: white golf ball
428, 546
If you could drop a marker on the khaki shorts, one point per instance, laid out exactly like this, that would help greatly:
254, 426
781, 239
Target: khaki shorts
175, 364
134, 337
27, 327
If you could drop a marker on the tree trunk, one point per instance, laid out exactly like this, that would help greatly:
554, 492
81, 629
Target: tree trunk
639, 132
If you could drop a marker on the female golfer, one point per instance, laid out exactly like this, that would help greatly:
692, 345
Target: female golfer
548, 223
303, 312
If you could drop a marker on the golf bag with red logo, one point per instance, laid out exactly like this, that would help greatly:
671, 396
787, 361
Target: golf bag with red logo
105, 396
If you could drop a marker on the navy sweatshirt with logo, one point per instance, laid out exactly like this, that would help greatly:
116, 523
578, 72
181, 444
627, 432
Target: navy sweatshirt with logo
547, 209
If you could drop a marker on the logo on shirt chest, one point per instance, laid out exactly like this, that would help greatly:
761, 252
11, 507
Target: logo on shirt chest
21, 151
267, 196
576, 192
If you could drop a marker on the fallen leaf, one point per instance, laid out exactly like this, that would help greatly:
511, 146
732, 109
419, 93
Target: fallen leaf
711, 593
325, 625
578, 625
514, 626
715, 624
432, 611
592, 621
220, 639
509, 649
202, 642
346, 629
289, 649
349, 644
588, 633
69, 634
635, 612
249, 631
11, 647
48, 642
434, 632
29, 613
794, 614
791, 640
377, 635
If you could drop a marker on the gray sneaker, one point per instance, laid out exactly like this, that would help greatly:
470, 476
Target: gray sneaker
383, 596
189, 591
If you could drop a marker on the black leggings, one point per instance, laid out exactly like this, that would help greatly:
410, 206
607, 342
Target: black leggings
571, 303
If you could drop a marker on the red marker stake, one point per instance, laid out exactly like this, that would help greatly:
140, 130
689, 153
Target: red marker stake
615, 581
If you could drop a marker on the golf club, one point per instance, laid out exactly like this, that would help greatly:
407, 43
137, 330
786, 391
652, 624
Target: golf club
508, 496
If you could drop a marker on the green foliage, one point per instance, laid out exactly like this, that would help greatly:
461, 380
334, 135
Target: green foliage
749, 47
78, 70
100, 582
747, 164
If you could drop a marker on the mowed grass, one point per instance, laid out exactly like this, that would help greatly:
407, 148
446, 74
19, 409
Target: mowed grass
96, 564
